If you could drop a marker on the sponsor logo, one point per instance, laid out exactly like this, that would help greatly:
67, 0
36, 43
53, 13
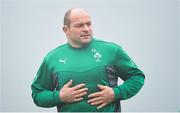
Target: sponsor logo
63, 61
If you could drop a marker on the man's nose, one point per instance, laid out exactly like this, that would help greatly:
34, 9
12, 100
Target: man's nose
86, 28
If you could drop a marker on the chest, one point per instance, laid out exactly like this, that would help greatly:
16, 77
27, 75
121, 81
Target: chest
82, 67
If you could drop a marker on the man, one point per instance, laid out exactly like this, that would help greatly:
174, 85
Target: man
81, 75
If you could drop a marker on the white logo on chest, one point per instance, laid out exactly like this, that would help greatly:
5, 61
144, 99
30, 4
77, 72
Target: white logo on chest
97, 55
63, 61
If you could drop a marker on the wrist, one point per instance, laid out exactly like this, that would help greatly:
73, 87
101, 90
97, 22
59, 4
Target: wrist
117, 93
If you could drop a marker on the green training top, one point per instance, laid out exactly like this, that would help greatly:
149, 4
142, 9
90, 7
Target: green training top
98, 62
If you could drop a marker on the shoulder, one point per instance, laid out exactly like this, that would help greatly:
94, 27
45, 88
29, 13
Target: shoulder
107, 44
57, 51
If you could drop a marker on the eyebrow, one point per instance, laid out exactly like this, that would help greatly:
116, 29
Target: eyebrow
82, 22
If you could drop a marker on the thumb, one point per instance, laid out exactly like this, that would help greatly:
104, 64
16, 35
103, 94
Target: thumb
101, 87
68, 84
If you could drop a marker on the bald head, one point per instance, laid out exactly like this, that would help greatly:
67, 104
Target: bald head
73, 12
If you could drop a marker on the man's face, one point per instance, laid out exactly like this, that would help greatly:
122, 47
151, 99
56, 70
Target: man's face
79, 32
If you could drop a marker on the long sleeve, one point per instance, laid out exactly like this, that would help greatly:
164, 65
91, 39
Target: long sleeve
128, 71
43, 91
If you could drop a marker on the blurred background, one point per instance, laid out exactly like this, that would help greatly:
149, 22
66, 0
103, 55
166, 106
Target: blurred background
148, 30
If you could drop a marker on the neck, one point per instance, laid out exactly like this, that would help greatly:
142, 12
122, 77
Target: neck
76, 45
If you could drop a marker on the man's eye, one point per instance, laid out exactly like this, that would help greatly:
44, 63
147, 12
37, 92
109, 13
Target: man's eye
88, 24
79, 25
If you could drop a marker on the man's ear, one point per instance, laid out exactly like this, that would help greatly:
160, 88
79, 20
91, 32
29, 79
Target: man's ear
65, 29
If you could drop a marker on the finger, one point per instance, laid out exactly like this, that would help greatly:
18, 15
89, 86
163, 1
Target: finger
78, 86
80, 91
80, 95
95, 95
97, 103
102, 105
94, 99
68, 84
77, 99
101, 87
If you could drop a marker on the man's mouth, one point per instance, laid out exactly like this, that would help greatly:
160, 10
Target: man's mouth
84, 35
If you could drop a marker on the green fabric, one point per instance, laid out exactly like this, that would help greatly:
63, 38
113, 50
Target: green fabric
84, 65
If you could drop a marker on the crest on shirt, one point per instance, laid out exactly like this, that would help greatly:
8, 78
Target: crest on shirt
97, 55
